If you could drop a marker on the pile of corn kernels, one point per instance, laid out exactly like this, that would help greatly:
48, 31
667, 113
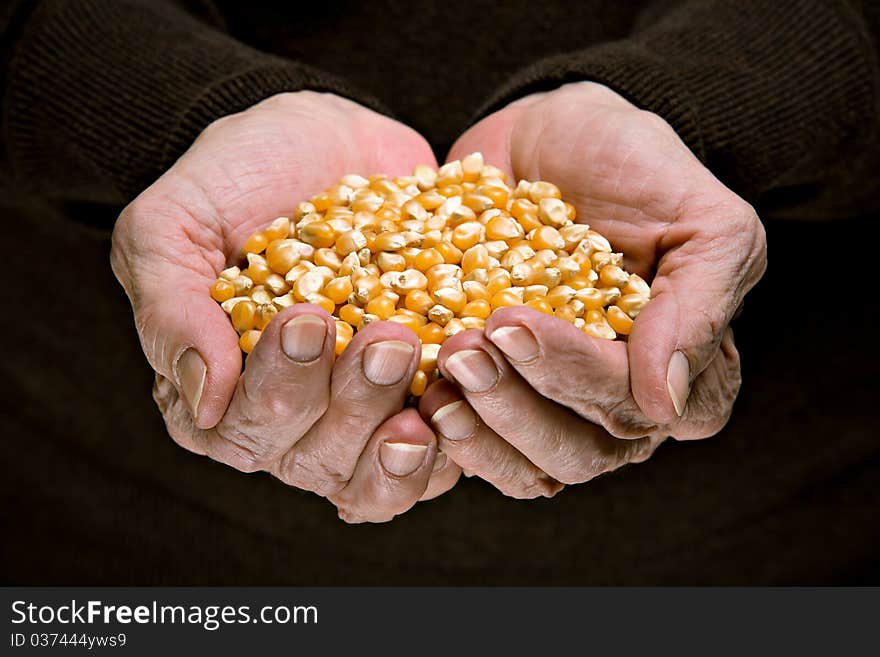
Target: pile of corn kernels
438, 252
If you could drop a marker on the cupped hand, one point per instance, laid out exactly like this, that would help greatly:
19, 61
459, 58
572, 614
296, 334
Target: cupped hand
536, 402
336, 428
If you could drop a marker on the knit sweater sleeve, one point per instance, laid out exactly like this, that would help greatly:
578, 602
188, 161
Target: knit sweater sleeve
100, 96
780, 99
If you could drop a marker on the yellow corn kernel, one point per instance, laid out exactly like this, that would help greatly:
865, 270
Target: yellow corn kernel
594, 315
619, 320
258, 269
505, 298
541, 190
473, 323
477, 308
279, 229
526, 273
632, 304
476, 290
255, 243
499, 279
565, 312
276, 284
551, 277
344, 334
503, 227
547, 237
351, 314
471, 166
349, 242
419, 384
326, 257
601, 330
476, 257
535, 292
453, 327
428, 360
591, 297
559, 296
419, 301
611, 295
451, 254
381, 306
390, 241
405, 281
551, 211
318, 234
466, 235
540, 304
260, 295
579, 282
222, 290
244, 316
478, 202
339, 289
282, 255
440, 314
635, 284
406, 320
248, 340
450, 173
427, 259
264, 314
366, 287
312, 282
451, 298
321, 301
573, 234
390, 261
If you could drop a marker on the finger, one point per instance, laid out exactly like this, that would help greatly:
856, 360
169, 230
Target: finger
701, 281
392, 473
444, 475
369, 384
478, 449
588, 375
562, 444
283, 391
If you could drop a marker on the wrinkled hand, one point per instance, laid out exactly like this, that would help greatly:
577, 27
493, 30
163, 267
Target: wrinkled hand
336, 429
543, 402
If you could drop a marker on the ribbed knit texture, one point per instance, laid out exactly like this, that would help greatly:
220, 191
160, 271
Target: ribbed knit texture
778, 97
104, 94
766, 93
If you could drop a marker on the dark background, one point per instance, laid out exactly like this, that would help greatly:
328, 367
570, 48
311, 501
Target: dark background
95, 492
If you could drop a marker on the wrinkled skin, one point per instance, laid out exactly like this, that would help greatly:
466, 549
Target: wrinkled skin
578, 407
318, 424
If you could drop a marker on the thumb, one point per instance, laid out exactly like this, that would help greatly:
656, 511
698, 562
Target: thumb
184, 333
710, 262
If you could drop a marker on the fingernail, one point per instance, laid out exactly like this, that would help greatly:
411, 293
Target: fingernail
439, 461
387, 362
191, 371
302, 338
401, 459
473, 369
678, 382
455, 421
516, 342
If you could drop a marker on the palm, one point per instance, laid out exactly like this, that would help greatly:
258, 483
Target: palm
625, 170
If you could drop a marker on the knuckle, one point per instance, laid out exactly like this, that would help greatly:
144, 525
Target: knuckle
246, 453
308, 473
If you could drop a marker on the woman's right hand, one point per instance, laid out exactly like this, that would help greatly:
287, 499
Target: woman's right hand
335, 428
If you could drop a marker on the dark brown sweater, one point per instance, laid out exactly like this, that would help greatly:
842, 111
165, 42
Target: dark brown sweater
780, 98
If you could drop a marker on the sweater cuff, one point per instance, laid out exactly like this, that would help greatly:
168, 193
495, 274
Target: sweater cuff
104, 95
758, 91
